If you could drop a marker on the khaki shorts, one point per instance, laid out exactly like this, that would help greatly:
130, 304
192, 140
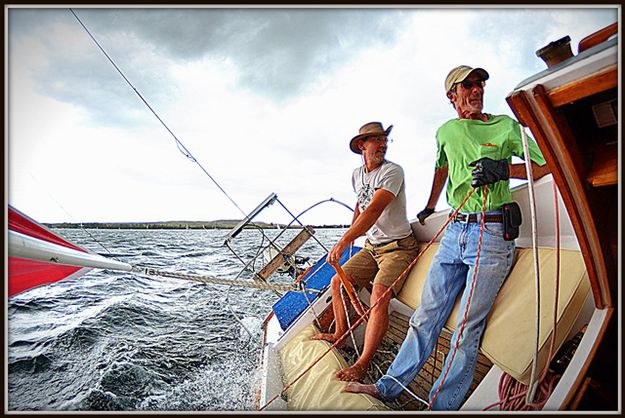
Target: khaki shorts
383, 264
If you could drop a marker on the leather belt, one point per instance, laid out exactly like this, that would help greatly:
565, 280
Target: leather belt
386, 243
475, 217
381, 245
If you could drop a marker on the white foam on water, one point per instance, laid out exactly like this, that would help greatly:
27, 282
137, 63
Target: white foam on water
253, 325
226, 385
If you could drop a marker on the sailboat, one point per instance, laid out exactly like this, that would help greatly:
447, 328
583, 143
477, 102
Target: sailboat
571, 109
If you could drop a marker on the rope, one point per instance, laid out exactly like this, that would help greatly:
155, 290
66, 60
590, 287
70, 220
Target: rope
349, 322
466, 310
361, 318
512, 393
530, 189
213, 280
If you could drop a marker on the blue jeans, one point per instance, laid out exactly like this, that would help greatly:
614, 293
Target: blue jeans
452, 270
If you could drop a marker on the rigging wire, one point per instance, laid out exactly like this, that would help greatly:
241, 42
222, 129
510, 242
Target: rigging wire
237, 316
97, 241
181, 147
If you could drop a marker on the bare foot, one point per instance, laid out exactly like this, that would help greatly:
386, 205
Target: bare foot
353, 373
331, 338
355, 387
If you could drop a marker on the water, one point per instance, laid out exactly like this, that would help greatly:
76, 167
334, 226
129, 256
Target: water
117, 341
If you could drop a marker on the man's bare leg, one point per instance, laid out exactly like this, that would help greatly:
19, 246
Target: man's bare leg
340, 320
355, 387
374, 333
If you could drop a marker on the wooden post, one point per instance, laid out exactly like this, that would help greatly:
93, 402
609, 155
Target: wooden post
290, 249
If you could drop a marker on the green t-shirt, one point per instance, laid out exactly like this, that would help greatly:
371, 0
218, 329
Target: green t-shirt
461, 141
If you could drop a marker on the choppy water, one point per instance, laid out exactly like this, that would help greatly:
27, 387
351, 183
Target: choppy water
117, 341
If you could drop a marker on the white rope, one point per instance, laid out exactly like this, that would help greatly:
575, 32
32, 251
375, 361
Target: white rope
530, 183
315, 316
349, 324
407, 390
213, 280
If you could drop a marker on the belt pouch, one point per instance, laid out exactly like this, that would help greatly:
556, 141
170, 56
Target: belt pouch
511, 220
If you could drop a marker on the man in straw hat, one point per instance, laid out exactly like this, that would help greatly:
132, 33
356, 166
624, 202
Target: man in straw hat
380, 214
473, 150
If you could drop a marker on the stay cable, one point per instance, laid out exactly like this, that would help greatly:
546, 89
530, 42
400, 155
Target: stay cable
181, 147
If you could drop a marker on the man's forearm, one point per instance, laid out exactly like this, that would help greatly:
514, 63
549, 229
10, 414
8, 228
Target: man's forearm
518, 171
364, 220
438, 183
361, 225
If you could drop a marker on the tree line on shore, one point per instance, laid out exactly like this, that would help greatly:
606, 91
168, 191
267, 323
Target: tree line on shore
220, 224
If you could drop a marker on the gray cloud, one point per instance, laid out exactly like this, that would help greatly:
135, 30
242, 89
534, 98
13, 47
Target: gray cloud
278, 52
509, 26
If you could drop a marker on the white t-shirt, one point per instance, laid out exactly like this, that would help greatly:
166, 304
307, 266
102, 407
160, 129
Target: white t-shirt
393, 223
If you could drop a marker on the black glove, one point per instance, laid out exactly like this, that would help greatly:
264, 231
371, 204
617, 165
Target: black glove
489, 171
424, 214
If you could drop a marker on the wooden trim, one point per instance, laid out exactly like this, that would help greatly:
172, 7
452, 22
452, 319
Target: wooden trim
580, 212
604, 171
580, 393
563, 159
566, 404
578, 89
597, 37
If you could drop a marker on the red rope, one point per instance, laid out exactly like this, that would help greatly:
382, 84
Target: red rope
361, 318
466, 309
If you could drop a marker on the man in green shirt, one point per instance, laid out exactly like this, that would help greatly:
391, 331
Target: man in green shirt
474, 150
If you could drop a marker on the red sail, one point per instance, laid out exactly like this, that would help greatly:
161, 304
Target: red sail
26, 274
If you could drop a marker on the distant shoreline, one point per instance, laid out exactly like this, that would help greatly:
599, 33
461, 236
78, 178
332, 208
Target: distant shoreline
221, 224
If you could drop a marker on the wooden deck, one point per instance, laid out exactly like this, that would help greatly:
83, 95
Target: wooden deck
422, 384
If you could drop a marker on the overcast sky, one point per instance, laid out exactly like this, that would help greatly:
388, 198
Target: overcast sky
266, 99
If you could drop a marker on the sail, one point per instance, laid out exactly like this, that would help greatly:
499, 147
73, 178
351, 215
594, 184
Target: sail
25, 274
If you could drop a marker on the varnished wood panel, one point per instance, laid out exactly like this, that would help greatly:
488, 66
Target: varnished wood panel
597, 37
593, 84
583, 221
562, 155
604, 171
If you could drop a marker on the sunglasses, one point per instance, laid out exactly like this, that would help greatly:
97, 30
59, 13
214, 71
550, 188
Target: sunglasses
381, 139
468, 84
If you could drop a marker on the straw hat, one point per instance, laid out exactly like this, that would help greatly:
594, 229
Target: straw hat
461, 72
366, 130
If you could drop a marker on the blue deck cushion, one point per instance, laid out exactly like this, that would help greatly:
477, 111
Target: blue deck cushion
292, 304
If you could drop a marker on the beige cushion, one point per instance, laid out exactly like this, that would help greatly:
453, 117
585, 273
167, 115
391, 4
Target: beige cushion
319, 389
509, 338
410, 293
